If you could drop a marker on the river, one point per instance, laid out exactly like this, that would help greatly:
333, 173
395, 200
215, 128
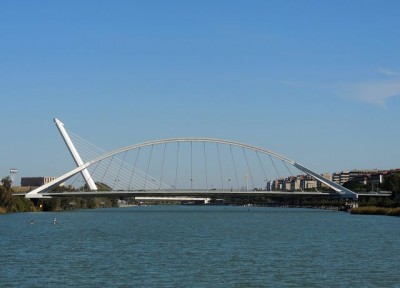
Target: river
199, 246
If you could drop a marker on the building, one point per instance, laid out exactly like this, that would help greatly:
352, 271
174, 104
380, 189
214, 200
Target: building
296, 184
35, 181
341, 177
305, 182
327, 176
274, 185
371, 178
292, 183
310, 184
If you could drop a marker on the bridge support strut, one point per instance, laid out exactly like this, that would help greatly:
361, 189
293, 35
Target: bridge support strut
75, 154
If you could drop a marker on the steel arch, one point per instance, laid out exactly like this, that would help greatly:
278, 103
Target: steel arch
338, 188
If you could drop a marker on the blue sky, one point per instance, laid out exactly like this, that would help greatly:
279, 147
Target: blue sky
316, 81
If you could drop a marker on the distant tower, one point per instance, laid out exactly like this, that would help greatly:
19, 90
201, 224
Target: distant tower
13, 171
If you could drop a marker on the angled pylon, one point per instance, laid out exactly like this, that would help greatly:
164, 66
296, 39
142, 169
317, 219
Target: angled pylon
75, 154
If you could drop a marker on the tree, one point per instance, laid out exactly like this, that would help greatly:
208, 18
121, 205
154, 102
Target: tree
356, 186
392, 183
7, 183
5, 197
10, 203
5, 193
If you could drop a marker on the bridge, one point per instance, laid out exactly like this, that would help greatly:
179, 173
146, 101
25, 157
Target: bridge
184, 166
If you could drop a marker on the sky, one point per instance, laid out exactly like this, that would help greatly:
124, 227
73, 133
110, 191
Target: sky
315, 81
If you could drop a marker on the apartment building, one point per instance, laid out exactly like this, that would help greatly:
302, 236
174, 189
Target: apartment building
35, 181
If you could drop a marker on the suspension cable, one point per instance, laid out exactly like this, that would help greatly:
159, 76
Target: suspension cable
205, 162
262, 167
234, 167
177, 164
119, 170
162, 166
191, 165
273, 163
148, 166
75, 179
220, 168
105, 171
90, 151
134, 168
290, 172
114, 170
95, 168
248, 167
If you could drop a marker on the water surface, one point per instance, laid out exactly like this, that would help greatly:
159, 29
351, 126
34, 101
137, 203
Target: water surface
199, 246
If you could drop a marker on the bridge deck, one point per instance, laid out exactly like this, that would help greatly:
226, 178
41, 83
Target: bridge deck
188, 192
180, 193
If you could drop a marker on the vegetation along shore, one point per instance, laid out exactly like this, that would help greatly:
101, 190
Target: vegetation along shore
368, 206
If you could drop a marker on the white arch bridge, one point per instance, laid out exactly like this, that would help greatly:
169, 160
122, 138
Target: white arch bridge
186, 166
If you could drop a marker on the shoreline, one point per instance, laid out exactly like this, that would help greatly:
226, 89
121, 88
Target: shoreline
374, 210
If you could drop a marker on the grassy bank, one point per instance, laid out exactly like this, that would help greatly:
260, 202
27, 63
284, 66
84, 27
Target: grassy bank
373, 210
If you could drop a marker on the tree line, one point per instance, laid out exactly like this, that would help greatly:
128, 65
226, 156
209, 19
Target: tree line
391, 183
10, 203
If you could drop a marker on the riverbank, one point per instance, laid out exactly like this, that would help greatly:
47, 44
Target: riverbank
373, 210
